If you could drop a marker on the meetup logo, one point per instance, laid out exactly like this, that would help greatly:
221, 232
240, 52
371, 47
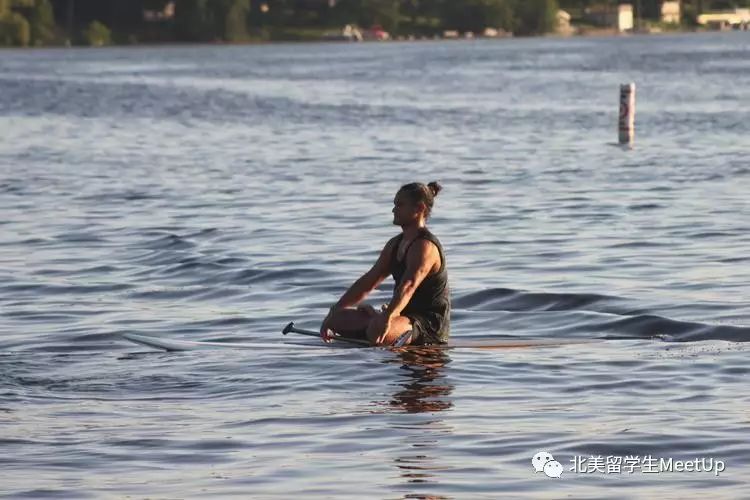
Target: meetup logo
545, 462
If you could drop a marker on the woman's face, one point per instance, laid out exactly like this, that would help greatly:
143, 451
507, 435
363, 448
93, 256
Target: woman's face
405, 211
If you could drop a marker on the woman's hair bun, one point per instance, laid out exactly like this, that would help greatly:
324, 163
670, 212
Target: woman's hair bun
435, 187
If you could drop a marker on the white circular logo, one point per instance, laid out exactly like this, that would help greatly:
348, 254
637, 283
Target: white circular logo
540, 459
553, 469
545, 462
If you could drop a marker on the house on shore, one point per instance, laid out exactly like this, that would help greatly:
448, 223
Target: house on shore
736, 19
619, 17
563, 23
671, 12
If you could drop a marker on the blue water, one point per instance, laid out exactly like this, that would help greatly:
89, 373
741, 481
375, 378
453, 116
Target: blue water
217, 193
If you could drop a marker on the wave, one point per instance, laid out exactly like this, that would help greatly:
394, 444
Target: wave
588, 314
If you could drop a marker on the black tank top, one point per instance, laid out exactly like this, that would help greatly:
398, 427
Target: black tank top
431, 300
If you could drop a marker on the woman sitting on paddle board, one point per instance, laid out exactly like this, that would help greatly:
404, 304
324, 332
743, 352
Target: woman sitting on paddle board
421, 297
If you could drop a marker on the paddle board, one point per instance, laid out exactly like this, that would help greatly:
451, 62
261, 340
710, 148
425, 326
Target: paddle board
193, 345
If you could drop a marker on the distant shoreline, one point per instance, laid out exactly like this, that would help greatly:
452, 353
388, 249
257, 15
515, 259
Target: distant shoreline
588, 33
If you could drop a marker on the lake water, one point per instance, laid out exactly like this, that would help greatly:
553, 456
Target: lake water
217, 193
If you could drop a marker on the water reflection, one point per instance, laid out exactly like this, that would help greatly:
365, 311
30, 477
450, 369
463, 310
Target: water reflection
424, 388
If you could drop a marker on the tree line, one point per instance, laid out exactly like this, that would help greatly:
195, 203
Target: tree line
98, 22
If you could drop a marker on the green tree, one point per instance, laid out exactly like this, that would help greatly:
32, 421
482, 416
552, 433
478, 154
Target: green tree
497, 14
193, 21
476, 15
209, 20
231, 16
42, 20
385, 13
421, 16
344, 12
97, 34
536, 17
14, 29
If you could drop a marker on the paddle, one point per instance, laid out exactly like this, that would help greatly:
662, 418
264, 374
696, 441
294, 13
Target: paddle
290, 328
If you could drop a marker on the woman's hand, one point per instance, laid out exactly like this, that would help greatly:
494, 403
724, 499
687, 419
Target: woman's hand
325, 330
380, 325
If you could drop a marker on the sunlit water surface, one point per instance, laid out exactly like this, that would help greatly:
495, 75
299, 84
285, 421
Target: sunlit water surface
216, 193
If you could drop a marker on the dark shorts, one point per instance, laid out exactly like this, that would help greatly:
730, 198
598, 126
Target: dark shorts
424, 327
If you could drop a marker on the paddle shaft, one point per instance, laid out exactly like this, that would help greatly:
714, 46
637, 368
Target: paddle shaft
290, 328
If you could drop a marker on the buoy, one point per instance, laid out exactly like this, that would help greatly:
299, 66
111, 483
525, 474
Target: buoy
627, 113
